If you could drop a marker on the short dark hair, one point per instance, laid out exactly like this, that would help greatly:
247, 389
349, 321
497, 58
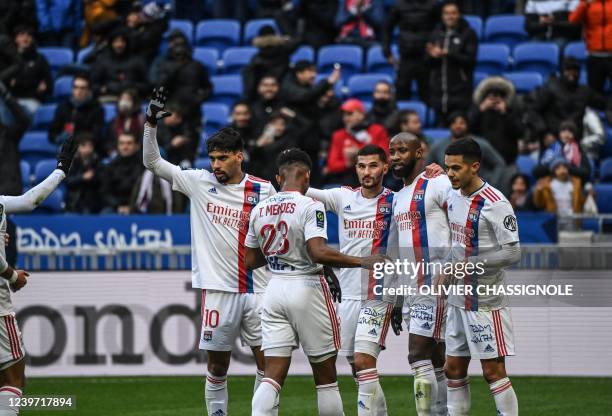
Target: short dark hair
84, 76
456, 3
291, 156
303, 65
225, 140
372, 149
404, 114
241, 102
468, 148
455, 115
84, 137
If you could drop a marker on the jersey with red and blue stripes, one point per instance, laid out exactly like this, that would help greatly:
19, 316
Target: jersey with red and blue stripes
220, 216
480, 223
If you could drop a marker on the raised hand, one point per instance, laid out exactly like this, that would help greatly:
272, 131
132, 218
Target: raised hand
66, 154
156, 108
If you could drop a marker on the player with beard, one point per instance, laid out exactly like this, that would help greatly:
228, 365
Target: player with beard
364, 222
419, 212
221, 203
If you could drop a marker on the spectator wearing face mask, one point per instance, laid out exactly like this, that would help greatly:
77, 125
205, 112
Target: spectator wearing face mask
78, 113
346, 142
129, 118
384, 107
83, 180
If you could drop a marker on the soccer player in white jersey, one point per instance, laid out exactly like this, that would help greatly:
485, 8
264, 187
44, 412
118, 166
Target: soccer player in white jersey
12, 365
419, 212
364, 222
485, 236
288, 232
221, 203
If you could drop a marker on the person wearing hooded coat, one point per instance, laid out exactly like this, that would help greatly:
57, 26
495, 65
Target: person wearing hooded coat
493, 116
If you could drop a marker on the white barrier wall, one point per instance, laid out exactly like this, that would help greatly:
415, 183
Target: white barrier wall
139, 323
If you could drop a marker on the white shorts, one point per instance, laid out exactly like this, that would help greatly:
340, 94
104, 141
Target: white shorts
11, 343
300, 311
426, 316
482, 335
225, 315
373, 323
348, 313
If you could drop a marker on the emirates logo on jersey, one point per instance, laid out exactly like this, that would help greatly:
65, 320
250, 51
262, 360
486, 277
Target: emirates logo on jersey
252, 198
473, 215
419, 194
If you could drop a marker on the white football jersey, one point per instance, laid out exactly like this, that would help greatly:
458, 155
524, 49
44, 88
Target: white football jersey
281, 225
419, 214
219, 224
363, 227
480, 223
6, 306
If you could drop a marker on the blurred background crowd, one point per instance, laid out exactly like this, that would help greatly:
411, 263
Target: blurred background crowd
531, 81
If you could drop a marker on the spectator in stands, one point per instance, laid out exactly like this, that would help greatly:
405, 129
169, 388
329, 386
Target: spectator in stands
492, 166
521, 197
242, 121
547, 20
315, 22
384, 107
177, 136
186, 79
151, 195
359, 21
14, 13
451, 54
59, 22
9, 60
493, 117
120, 175
407, 121
83, 179
146, 26
593, 134
162, 63
129, 119
562, 98
346, 142
330, 119
33, 83
96, 12
81, 112
10, 136
119, 69
272, 58
596, 20
300, 93
279, 10
560, 192
266, 102
416, 20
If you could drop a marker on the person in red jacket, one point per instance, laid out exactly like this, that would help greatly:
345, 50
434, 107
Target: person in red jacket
346, 142
596, 19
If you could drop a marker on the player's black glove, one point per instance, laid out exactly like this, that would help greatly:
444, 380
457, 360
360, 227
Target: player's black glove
67, 151
155, 109
333, 283
396, 319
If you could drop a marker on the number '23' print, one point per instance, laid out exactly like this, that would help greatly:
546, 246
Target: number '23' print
268, 233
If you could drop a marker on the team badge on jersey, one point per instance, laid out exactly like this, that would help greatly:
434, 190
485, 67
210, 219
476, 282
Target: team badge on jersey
252, 198
207, 335
384, 208
473, 215
419, 194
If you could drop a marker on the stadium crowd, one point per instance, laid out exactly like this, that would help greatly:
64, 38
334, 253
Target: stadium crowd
542, 146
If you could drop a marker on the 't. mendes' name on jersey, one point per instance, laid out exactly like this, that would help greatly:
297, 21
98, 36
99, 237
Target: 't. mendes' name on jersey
277, 209
227, 216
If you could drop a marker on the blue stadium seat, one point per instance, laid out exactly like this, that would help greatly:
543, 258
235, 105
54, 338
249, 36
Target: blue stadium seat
505, 28
234, 59
62, 88
251, 29
605, 170
434, 135
303, 53
53, 204
525, 164
577, 50
35, 146
57, 57
475, 23
184, 26
43, 117
417, 106
377, 63
218, 33
350, 57
338, 86
524, 82
43, 169
362, 85
82, 54
478, 77
603, 197
110, 111
207, 57
542, 57
492, 58
26, 171
227, 89
216, 116
202, 163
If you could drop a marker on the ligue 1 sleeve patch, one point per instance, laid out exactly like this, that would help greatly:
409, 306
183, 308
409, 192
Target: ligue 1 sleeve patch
510, 223
320, 216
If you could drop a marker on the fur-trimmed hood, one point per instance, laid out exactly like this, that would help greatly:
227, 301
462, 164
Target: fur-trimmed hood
494, 83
